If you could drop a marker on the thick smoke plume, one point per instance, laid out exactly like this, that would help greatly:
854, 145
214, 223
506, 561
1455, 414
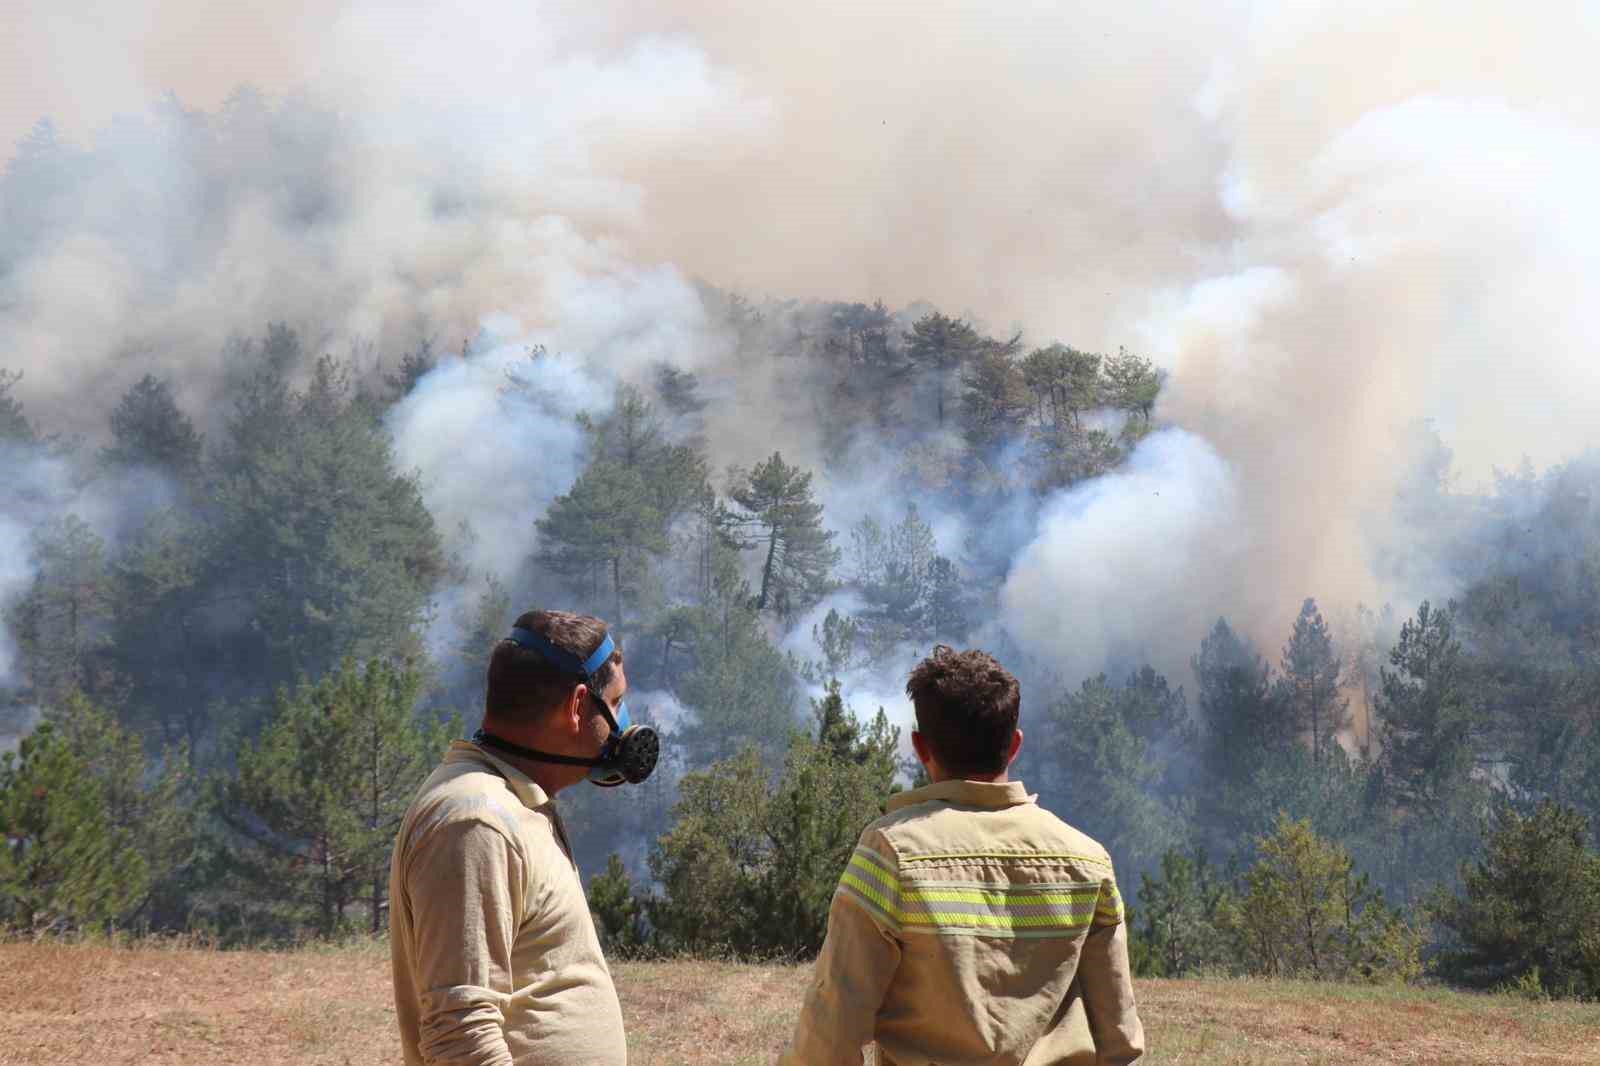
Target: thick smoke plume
1328, 221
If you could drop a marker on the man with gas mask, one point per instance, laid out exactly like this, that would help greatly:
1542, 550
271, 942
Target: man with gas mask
496, 960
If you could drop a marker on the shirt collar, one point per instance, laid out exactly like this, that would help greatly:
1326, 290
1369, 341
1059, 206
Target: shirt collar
526, 789
965, 793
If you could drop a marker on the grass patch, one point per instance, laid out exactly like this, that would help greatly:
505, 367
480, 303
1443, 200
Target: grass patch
175, 1005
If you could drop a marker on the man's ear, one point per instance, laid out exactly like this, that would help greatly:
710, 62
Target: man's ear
919, 744
1016, 746
572, 715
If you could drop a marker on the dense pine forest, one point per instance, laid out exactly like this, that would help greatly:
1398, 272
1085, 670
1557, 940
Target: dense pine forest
250, 577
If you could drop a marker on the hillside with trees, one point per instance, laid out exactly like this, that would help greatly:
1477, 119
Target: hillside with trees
243, 604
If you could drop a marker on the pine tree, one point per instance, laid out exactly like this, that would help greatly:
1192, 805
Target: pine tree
1064, 382
1132, 383
1179, 916
149, 430
328, 548
481, 625
319, 796
618, 912
1245, 731
615, 523
632, 436
1529, 909
892, 570
59, 624
1243, 719
602, 530
1303, 911
14, 425
875, 743
160, 643
938, 345
1103, 755
41, 187
836, 636
64, 863
778, 515
414, 366
750, 865
994, 398
679, 390
147, 802
742, 689
1424, 718
1311, 681
947, 608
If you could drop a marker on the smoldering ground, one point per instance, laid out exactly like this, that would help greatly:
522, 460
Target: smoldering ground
1327, 221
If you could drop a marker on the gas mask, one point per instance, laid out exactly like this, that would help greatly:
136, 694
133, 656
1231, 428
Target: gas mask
629, 753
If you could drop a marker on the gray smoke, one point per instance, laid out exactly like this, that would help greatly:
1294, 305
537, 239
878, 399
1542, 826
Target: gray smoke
41, 486
1328, 221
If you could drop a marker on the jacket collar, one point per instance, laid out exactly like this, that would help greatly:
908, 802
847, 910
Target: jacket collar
965, 794
524, 787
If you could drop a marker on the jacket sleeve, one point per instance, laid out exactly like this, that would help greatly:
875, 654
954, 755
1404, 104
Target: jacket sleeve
465, 881
1107, 982
859, 957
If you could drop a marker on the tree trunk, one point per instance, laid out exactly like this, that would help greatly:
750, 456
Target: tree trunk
766, 569
375, 814
616, 586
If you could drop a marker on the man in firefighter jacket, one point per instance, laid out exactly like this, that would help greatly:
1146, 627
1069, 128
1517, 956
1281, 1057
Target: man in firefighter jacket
971, 925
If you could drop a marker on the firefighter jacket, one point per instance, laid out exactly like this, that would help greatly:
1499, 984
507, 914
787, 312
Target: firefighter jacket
972, 926
496, 961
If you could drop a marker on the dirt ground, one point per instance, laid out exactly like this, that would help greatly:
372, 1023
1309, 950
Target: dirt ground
180, 1006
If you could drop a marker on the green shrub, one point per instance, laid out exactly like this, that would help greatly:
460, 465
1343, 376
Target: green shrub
64, 864
618, 912
1303, 911
750, 864
1529, 910
1176, 930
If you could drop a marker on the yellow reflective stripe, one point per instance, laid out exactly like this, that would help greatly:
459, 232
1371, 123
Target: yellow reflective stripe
996, 921
863, 852
1108, 911
1000, 899
873, 868
870, 895
904, 859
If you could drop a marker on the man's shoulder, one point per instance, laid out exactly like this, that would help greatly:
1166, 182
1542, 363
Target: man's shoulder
932, 826
1072, 839
465, 796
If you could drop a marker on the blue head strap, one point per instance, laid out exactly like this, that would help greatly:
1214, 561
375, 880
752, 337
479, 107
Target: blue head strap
569, 663
565, 660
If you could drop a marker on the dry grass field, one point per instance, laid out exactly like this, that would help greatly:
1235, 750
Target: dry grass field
176, 1006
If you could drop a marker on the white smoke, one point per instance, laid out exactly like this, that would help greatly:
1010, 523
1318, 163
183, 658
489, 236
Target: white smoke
1128, 562
1327, 220
15, 575
661, 708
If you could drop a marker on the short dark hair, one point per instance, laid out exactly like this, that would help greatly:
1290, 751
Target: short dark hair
523, 684
967, 705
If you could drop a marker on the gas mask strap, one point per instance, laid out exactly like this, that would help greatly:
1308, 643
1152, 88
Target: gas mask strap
489, 740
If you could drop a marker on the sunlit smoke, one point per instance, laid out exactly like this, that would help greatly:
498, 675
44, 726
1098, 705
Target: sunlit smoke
1126, 566
1321, 258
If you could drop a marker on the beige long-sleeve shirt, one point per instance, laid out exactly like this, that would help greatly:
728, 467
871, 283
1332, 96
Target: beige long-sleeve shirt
496, 961
972, 926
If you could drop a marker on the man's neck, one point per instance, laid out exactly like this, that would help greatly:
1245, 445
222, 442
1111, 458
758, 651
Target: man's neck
550, 776
1001, 778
